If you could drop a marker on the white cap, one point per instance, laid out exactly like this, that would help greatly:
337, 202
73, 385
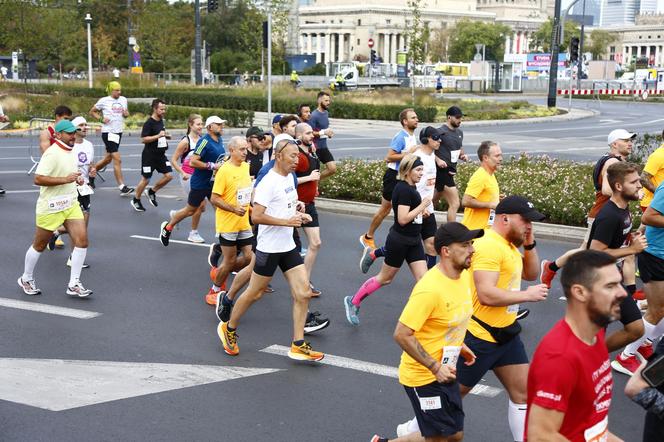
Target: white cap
78, 121
214, 120
281, 137
619, 134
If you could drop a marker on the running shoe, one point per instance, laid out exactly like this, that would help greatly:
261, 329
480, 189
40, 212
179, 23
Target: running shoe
126, 191
228, 339
314, 291
78, 290
304, 352
222, 309
195, 237
164, 234
645, 351
91, 182
85, 264
367, 242
268, 289
171, 214
546, 274
137, 205
402, 429
366, 260
214, 255
377, 438
29, 287
2, 191
211, 297
152, 197
626, 365
639, 295
315, 323
352, 311
59, 243
51, 242
303, 252
522, 313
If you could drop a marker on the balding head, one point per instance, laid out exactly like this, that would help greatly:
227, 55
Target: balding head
304, 133
236, 142
237, 148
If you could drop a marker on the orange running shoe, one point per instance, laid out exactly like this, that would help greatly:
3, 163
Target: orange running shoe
367, 242
211, 297
639, 295
304, 352
546, 274
228, 339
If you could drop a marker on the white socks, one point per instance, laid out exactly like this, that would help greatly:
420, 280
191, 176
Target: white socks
516, 416
31, 258
413, 426
77, 261
631, 348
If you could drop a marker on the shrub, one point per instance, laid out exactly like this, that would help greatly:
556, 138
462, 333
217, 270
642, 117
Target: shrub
235, 118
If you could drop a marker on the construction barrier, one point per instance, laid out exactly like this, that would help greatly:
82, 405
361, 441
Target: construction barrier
641, 92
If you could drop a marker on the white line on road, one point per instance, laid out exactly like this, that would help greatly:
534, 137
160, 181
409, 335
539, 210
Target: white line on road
370, 367
49, 309
187, 243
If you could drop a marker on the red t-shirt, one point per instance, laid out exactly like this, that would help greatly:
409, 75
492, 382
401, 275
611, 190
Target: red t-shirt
570, 376
306, 192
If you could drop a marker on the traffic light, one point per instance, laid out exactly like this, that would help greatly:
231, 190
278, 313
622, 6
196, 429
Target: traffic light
373, 57
265, 34
212, 5
574, 49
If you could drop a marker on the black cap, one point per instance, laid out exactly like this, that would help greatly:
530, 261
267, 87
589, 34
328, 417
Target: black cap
431, 132
454, 111
255, 132
450, 233
518, 205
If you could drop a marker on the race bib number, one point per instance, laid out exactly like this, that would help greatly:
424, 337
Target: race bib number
84, 190
492, 217
60, 203
514, 308
598, 432
455, 155
147, 169
418, 219
243, 196
113, 138
430, 403
162, 143
451, 355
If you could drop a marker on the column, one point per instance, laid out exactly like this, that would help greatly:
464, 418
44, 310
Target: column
518, 43
386, 48
309, 43
328, 47
319, 43
334, 51
393, 48
508, 44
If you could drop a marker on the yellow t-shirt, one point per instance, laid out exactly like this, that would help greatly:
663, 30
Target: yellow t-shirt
494, 253
233, 184
484, 188
655, 167
438, 310
57, 161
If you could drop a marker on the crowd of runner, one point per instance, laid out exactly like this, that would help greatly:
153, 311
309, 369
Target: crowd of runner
462, 317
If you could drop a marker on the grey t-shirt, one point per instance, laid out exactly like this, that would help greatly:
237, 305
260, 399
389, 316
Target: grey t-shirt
319, 120
450, 146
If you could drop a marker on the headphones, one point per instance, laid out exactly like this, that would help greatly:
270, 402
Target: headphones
424, 135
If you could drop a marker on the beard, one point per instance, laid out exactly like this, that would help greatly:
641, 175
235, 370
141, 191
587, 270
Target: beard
599, 317
515, 238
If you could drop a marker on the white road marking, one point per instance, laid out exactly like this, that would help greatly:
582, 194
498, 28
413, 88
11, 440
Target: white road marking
57, 384
49, 309
149, 238
372, 368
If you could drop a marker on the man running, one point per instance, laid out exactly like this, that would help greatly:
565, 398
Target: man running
482, 192
569, 381
652, 175
287, 127
111, 111
304, 112
3, 119
153, 158
57, 176
320, 122
450, 152
276, 211
47, 136
401, 145
258, 152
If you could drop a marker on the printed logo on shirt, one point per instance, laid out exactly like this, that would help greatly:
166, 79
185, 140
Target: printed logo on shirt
547, 395
82, 157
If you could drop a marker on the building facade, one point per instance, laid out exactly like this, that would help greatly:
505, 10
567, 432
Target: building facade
645, 38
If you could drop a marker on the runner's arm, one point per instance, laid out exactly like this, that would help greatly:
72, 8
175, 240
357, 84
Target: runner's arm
179, 150
646, 181
405, 215
258, 216
652, 217
220, 204
606, 189
544, 425
43, 180
616, 253
95, 113
196, 162
490, 295
393, 156
472, 203
44, 140
405, 337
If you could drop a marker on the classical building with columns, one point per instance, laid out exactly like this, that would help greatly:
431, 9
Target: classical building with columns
645, 38
339, 30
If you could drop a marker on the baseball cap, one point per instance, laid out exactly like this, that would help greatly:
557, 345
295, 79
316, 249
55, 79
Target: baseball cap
78, 121
431, 132
213, 120
255, 132
280, 137
454, 111
518, 205
453, 232
65, 126
276, 119
619, 134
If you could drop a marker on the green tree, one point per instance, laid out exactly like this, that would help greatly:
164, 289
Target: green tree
417, 32
469, 33
542, 37
439, 44
599, 43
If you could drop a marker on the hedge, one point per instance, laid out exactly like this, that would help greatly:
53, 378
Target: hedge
234, 118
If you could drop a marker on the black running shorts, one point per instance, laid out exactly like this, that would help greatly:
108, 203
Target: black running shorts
399, 248
389, 183
437, 408
196, 196
651, 267
310, 209
110, 145
629, 311
444, 179
429, 226
267, 263
324, 155
154, 162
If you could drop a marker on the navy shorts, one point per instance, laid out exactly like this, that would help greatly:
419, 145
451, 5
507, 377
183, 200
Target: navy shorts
489, 356
267, 263
196, 196
443, 414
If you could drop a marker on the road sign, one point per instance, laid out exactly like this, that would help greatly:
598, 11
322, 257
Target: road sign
370, 42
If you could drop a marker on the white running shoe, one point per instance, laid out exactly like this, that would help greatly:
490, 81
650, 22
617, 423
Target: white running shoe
194, 236
29, 287
78, 290
407, 428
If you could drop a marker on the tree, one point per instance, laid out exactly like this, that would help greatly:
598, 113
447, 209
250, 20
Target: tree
469, 33
439, 44
599, 43
418, 34
542, 37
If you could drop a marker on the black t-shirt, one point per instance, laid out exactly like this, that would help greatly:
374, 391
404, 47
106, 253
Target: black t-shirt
612, 226
255, 161
151, 128
451, 141
406, 195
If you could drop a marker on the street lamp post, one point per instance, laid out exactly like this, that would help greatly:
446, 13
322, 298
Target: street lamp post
88, 21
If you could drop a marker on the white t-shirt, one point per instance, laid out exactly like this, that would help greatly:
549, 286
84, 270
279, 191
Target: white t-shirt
84, 153
279, 195
112, 109
427, 184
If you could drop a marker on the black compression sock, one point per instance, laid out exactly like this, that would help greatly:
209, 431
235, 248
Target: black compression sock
298, 343
553, 266
630, 289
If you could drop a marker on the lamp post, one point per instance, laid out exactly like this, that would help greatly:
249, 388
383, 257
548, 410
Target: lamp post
88, 20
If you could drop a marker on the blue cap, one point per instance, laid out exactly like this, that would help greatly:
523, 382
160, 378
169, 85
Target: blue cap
276, 119
65, 126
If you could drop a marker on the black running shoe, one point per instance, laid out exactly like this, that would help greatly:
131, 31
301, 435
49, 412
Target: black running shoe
164, 234
215, 255
125, 191
152, 197
51, 242
2, 191
91, 182
522, 313
315, 323
223, 309
137, 205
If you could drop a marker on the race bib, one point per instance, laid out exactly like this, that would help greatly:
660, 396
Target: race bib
147, 169
113, 138
430, 403
492, 217
84, 190
451, 355
598, 432
60, 203
514, 308
162, 143
243, 196
455, 155
418, 219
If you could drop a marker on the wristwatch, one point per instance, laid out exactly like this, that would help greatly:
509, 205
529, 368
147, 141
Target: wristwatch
530, 246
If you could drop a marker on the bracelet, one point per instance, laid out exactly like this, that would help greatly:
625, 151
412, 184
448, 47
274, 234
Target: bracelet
208, 165
530, 246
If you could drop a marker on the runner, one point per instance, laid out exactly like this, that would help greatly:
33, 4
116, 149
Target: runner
493, 331
430, 331
57, 177
258, 151
47, 136
482, 192
569, 381
276, 130
206, 159
180, 162
287, 125
450, 152
277, 212
404, 241
3, 119
304, 112
153, 158
652, 175
650, 399
402, 144
111, 111
320, 122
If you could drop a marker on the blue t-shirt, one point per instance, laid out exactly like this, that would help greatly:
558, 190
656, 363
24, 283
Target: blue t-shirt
265, 169
210, 151
319, 120
401, 141
655, 235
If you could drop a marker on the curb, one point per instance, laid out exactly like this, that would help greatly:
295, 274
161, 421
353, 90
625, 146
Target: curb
556, 232
25, 133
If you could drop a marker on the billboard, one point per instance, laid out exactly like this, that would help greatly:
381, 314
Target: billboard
542, 62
